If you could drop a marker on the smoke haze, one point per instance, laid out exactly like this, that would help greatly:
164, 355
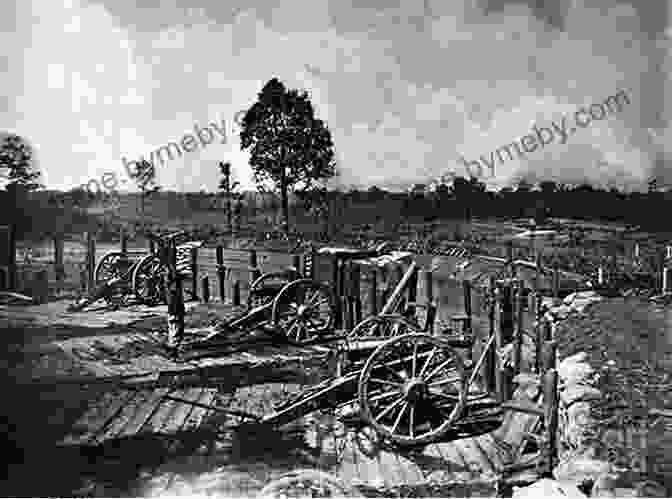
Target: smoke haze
406, 87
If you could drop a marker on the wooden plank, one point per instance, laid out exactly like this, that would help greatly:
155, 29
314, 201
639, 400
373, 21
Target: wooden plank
454, 459
368, 469
179, 416
496, 454
123, 417
413, 473
479, 456
159, 418
348, 469
445, 472
389, 467
471, 457
145, 413
97, 417
197, 416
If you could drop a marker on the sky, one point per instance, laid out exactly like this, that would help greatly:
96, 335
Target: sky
407, 88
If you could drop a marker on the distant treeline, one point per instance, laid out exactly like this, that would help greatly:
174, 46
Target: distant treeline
43, 213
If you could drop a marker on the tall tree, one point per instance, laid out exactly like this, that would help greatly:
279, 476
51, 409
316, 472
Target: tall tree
16, 155
289, 148
144, 177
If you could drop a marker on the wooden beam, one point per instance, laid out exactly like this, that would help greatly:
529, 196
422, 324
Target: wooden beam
393, 300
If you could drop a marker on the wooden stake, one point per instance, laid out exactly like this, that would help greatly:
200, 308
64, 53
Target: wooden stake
205, 287
221, 273
255, 272
123, 243
466, 289
551, 419
373, 291
58, 260
518, 335
194, 272
236, 293
90, 260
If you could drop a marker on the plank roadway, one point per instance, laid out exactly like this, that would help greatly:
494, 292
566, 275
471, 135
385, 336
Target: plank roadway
328, 444
141, 356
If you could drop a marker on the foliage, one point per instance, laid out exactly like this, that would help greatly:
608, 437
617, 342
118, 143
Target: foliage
290, 149
144, 177
17, 156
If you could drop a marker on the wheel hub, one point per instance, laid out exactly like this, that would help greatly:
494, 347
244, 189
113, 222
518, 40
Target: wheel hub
302, 311
415, 390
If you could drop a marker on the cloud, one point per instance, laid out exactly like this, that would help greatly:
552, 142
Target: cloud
405, 88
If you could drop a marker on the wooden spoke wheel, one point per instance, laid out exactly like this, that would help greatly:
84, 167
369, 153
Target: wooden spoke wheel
304, 310
147, 280
265, 288
114, 265
381, 327
412, 389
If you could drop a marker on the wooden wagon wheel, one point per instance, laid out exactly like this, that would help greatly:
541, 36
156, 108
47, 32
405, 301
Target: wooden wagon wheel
147, 280
412, 389
304, 310
265, 288
113, 265
381, 327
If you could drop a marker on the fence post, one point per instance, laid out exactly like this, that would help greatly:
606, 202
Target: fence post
221, 273
412, 291
42, 284
12, 271
123, 242
518, 335
551, 409
385, 284
556, 283
205, 286
193, 253
255, 272
236, 293
466, 288
373, 291
348, 304
90, 260
355, 280
489, 361
58, 261
429, 294
505, 333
